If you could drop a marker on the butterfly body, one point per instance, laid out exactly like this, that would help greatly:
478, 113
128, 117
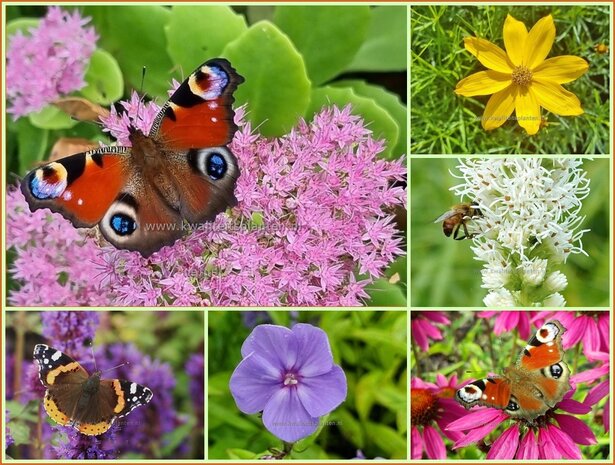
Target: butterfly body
141, 196
528, 389
86, 402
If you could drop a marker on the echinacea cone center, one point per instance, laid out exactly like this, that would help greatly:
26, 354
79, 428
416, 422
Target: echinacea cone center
522, 76
423, 407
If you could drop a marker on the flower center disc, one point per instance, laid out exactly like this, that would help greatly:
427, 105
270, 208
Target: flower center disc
423, 407
522, 76
290, 380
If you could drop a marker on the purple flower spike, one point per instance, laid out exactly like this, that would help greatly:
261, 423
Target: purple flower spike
289, 375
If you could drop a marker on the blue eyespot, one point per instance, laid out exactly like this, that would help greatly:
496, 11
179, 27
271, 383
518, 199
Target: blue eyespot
216, 166
123, 225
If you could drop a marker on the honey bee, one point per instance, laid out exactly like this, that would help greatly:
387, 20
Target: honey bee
456, 219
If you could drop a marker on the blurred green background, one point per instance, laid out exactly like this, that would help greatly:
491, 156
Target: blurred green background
443, 123
370, 346
444, 272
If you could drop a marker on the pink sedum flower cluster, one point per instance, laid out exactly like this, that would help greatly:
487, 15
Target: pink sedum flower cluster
37, 73
315, 211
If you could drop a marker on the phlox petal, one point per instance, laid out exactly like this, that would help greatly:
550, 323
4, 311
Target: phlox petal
253, 383
285, 417
275, 343
321, 394
315, 357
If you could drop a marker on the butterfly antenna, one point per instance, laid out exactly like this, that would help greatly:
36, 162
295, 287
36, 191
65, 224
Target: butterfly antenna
116, 366
141, 93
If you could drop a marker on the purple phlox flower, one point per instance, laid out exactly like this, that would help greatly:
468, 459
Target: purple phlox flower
251, 319
48, 62
507, 321
514, 442
195, 368
314, 211
289, 375
422, 327
432, 405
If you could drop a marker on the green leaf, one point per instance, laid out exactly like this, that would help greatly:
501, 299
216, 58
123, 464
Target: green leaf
328, 37
51, 117
379, 338
22, 24
276, 89
387, 439
365, 393
133, 34
226, 416
105, 83
385, 294
385, 48
387, 100
174, 438
351, 428
241, 454
377, 119
31, 143
197, 33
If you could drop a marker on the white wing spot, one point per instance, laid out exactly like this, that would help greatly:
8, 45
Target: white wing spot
133, 388
57, 354
135, 398
80, 202
214, 120
212, 105
46, 361
484, 396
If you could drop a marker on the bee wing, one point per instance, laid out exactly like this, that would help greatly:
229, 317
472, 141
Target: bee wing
445, 216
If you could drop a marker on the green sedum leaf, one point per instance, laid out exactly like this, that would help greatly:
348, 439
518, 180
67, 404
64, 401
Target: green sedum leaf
385, 294
51, 117
385, 48
22, 24
276, 86
328, 37
31, 144
105, 83
378, 120
197, 33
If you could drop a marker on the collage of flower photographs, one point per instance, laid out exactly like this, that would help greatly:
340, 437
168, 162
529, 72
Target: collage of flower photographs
309, 231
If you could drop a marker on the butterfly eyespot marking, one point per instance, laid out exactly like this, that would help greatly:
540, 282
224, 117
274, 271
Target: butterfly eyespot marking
216, 166
123, 225
120, 221
215, 163
49, 182
512, 406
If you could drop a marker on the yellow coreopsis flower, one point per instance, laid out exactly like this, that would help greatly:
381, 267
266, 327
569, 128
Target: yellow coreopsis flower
522, 78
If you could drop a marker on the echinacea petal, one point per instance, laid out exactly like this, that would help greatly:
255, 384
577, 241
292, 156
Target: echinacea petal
562, 69
505, 446
555, 98
578, 431
434, 445
315, 357
490, 55
481, 432
416, 444
564, 442
275, 343
597, 393
253, 383
515, 34
574, 406
285, 416
528, 448
527, 110
546, 448
539, 42
321, 394
499, 108
483, 83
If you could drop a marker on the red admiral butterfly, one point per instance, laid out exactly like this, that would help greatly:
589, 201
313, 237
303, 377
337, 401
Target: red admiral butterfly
140, 196
84, 401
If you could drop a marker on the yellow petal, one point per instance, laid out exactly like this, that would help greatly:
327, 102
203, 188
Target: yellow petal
515, 34
539, 42
499, 108
490, 55
561, 69
555, 98
483, 83
527, 110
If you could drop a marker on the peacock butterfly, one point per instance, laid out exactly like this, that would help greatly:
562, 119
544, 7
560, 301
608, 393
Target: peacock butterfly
140, 196
528, 389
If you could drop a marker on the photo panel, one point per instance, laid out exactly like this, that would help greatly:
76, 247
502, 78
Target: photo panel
504, 79
274, 174
510, 232
307, 385
509, 385
104, 385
